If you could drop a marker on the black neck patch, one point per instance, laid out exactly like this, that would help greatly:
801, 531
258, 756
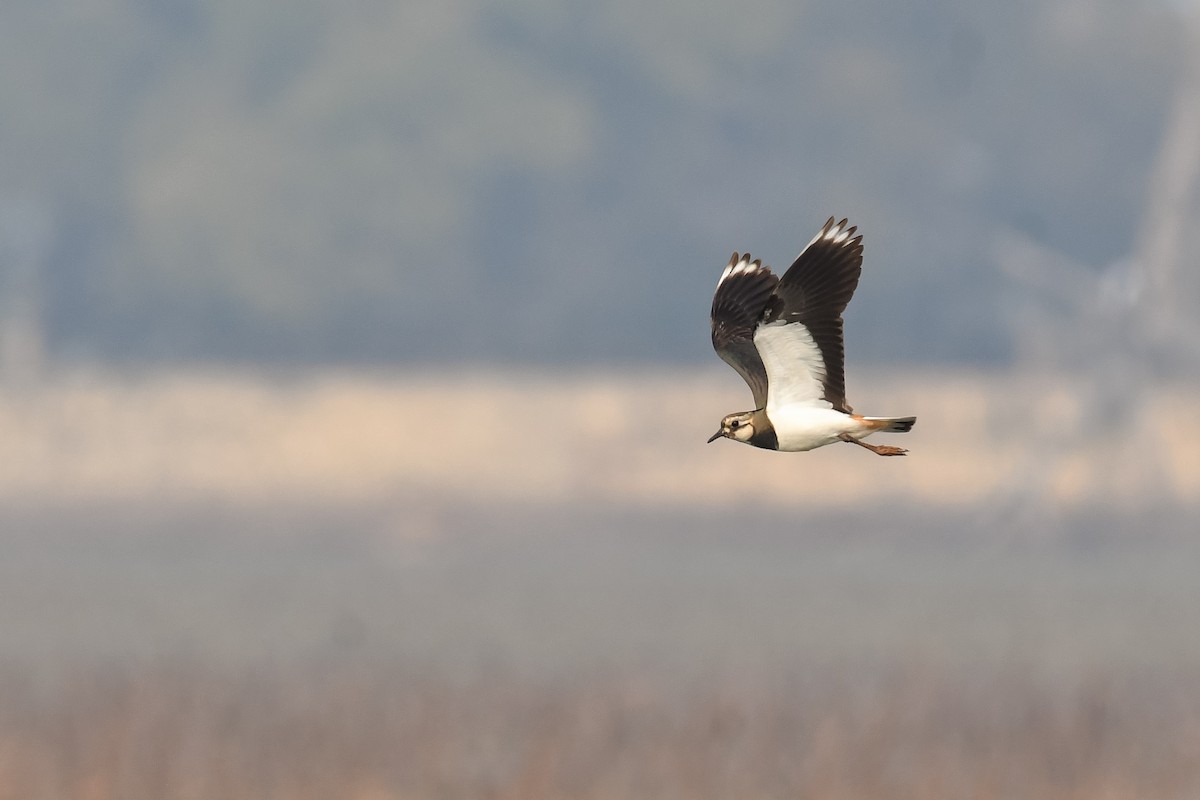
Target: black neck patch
766, 439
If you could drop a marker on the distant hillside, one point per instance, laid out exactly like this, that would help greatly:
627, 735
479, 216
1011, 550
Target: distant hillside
549, 182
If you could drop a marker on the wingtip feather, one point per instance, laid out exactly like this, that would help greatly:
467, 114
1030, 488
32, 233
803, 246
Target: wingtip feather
741, 264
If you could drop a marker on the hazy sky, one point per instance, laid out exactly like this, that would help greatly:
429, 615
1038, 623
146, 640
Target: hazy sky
556, 182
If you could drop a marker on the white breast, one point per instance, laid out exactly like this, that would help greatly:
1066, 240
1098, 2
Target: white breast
800, 427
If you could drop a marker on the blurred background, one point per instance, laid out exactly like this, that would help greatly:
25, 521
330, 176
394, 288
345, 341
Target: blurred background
355, 377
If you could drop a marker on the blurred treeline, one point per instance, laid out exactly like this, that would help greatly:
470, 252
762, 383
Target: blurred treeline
313, 181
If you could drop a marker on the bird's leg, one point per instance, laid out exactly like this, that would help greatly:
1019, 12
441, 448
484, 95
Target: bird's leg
877, 449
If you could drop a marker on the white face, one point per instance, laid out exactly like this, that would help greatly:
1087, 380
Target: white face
737, 426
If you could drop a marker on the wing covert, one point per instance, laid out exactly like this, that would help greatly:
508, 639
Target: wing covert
742, 294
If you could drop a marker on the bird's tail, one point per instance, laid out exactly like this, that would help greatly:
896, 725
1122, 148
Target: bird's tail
891, 424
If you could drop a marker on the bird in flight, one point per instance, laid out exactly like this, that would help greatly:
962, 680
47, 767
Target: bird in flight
784, 337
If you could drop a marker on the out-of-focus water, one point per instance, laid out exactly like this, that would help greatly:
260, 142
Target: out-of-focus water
564, 589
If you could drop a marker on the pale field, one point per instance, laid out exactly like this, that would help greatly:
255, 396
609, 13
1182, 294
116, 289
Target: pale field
552, 437
391, 586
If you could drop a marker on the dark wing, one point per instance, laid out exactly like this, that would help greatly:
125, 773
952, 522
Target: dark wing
742, 294
814, 292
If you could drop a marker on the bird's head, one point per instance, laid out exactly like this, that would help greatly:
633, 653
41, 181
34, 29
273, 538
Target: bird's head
739, 427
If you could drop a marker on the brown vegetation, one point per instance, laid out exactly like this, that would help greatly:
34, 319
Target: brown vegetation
384, 731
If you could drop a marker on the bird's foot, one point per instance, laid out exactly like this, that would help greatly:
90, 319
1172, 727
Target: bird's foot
877, 449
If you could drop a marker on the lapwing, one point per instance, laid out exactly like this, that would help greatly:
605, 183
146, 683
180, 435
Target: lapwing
784, 337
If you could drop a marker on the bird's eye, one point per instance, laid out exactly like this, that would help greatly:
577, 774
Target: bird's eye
734, 425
